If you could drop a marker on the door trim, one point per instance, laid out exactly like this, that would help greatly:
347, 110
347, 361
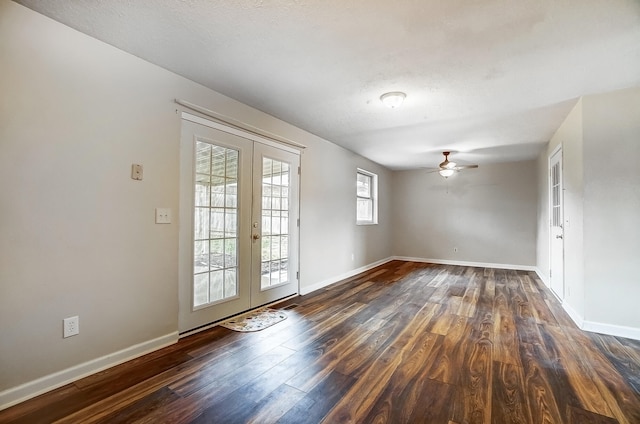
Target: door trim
190, 316
557, 150
261, 295
227, 120
183, 195
241, 133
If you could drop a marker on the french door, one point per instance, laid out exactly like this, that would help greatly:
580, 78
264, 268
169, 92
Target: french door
238, 222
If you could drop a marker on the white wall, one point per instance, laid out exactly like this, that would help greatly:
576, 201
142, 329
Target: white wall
78, 235
488, 214
612, 208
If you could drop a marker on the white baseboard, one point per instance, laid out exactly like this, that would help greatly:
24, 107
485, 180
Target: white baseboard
332, 280
601, 328
598, 327
592, 326
612, 330
609, 329
543, 277
50, 382
329, 281
573, 314
466, 263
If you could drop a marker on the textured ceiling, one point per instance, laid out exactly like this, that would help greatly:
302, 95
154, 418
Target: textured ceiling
489, 79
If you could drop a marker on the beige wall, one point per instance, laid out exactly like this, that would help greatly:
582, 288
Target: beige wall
569, 136
602, 211
612, 207
330, 236
488, 214
78, 235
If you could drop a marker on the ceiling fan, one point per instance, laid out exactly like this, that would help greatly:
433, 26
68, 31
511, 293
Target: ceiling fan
447, 168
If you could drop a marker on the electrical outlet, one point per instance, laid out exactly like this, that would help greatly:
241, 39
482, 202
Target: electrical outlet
163, 216
70, 326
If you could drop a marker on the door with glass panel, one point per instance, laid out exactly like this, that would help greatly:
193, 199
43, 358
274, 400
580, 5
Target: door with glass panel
275, 214
556, 232
238, 244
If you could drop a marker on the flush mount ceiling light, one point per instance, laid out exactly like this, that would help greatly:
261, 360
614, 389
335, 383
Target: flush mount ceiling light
393, 100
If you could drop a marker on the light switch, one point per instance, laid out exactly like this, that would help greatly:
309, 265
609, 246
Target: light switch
163, 216
136, 172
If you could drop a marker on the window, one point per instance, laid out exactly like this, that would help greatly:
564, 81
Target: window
367, 193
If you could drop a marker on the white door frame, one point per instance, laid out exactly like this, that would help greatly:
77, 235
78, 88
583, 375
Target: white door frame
187, 200
556, 232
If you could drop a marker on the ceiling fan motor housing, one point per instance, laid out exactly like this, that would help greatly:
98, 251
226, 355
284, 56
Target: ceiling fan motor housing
446, 164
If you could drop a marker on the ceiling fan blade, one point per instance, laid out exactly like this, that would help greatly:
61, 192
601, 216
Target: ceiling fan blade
460, 167
447, 167
431, 170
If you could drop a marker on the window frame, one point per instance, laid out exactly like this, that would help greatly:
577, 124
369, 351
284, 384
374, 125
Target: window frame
373, 197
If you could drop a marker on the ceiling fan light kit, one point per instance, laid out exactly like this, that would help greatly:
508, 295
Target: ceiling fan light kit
447, 168
393, 100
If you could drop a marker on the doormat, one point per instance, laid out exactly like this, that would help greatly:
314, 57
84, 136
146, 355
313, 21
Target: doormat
255, 320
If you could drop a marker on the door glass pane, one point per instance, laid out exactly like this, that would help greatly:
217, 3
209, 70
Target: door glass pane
266, 249
201, 223
275, 230
231, 164
218, 185
555, 196
230, 283
203, 190
217, 223
230, 223
203, 158
230, 252
231, 194
215, 228
201, 288
201, 256
216, 254
218, 159
216, 291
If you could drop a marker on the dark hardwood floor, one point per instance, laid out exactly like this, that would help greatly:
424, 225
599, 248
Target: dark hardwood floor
404, 342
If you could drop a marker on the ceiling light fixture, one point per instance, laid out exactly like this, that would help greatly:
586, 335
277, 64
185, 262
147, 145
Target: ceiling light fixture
447, 168
393, 100
447, 172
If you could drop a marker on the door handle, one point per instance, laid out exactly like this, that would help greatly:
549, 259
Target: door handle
256, 236
559, 236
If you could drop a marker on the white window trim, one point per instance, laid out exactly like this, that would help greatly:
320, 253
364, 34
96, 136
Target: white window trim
374, 197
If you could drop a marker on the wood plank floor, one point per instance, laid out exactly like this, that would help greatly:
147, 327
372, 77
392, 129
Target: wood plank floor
402, 343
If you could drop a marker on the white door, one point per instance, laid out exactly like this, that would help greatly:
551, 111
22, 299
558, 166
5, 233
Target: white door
275, 224
556, 233
238, 224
